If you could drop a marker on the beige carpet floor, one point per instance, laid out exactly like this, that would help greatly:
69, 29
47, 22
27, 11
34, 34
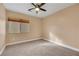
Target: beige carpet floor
38, 48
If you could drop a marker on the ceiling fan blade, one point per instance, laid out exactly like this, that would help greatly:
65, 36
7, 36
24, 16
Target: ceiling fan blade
31, 9
41, 4
33, 4
42, 9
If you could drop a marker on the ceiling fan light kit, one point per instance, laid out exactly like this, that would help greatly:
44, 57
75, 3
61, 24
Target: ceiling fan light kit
37, 7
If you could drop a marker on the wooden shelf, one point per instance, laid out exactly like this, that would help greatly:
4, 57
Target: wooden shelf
19, 20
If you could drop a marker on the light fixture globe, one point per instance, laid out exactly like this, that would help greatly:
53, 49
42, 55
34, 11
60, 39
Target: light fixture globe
37, 9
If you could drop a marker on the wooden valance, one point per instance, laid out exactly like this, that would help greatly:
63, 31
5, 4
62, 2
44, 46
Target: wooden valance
19, 20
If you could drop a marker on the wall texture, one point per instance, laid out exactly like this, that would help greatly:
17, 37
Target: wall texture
2, 26
63, 26
34, 32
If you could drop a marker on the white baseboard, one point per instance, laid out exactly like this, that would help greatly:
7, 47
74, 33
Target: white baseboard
22, 41
64, 45
3, 48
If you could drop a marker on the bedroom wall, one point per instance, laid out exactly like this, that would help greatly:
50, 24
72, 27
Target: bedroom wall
34, 32
2, 27
63, 26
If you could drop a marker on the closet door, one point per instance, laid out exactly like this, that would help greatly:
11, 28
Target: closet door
24, 27
13, 27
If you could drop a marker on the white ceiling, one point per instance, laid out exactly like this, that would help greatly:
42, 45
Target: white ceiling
50, 7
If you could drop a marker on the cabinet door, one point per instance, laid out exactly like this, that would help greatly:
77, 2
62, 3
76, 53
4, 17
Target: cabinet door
24, 27
13, 27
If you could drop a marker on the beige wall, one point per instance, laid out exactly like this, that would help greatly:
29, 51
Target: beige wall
35, 28
2, 26
63, 26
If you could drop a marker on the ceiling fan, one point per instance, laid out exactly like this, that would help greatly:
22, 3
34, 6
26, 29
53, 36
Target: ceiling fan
37, 7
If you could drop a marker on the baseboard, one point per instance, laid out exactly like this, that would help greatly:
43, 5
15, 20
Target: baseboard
3, 48
64, 45
22, 41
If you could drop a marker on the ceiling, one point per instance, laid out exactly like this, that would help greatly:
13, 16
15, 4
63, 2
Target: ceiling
50, 7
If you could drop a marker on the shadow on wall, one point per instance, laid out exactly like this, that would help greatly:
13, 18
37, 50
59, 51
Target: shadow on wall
53, 38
